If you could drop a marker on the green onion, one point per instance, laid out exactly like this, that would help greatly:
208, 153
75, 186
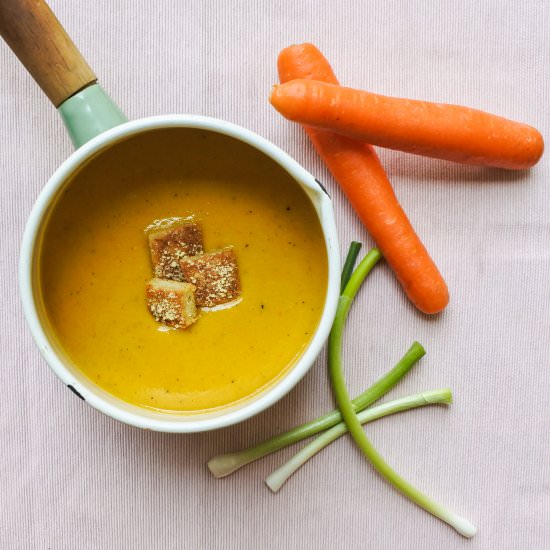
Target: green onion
278, 477
463, 526
223, 465
349, 264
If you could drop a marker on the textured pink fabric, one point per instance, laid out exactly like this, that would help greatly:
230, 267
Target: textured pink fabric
73, 478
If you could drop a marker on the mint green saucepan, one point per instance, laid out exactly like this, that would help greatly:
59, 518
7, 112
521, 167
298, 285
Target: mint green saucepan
95, 124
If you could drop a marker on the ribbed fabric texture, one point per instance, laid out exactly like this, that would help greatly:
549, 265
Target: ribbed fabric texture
73, 478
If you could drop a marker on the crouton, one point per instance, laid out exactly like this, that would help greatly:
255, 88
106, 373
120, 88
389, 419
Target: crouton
172, 303
170, 244
215, 274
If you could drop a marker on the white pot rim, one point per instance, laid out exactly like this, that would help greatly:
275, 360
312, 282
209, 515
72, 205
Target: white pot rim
134, 415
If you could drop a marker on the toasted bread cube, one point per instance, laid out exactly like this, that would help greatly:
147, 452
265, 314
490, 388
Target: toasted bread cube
170, 244
215, 274
172, 303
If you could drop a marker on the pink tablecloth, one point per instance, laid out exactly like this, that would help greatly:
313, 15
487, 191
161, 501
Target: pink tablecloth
72, 478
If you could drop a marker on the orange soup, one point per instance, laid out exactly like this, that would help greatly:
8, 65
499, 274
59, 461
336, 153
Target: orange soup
94, 266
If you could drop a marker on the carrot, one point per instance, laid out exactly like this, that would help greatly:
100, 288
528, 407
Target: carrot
358, 171
437, 130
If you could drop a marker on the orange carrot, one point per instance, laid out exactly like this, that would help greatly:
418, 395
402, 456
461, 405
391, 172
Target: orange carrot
358, 171
437, 130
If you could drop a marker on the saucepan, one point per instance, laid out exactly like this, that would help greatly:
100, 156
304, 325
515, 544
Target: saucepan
96, 124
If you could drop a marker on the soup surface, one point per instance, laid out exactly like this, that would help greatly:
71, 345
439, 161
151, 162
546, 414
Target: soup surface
95, 263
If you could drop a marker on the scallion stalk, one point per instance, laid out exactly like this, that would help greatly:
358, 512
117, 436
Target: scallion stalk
463, 526
278, 477
349, 263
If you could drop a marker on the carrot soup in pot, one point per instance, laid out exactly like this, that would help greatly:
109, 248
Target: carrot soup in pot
95, 264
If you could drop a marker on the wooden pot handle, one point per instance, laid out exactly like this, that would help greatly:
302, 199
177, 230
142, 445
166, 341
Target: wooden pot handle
40, 42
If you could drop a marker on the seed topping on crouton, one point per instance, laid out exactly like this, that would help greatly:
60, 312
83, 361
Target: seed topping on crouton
215, 274
172, 303
171, 242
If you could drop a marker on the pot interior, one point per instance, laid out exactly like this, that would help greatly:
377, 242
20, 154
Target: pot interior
92, 264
